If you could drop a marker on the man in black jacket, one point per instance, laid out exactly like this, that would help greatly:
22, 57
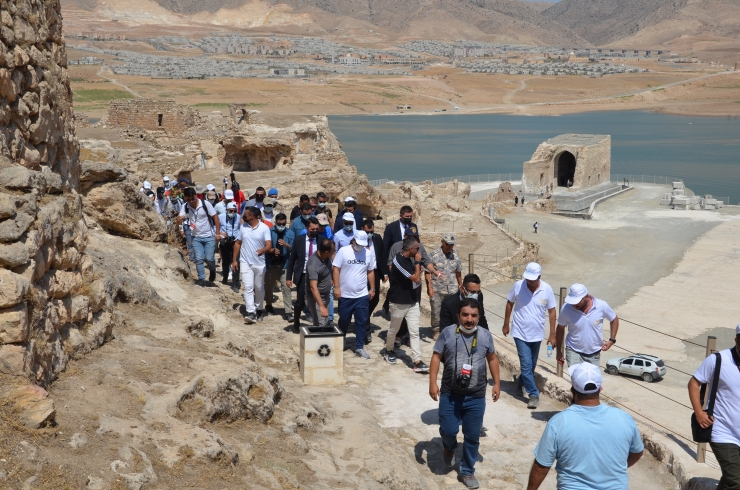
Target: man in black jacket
381, 271
396, 231
303, 247
471, 289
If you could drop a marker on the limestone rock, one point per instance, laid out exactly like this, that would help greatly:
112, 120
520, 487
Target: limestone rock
12, 229
20, 178
94, 172
120, 208
61, 283
202, 328
13, 254
15, 359
14, 324
7, 206
36, 409
13, 287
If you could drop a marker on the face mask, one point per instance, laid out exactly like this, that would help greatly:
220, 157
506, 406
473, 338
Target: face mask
259, 198
473, 296
357, 248
305, 217
322, 205
280, 228
274, 198
406, 221
348, 228
313, 234
230, 215
268, 209
468, 331
370, 235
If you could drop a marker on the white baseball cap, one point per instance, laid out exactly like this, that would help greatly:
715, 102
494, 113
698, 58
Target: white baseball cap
349, 199
361, 238
348, 217
737, 329
165, 179
231, 205
585, 378
228, 194
147, 184
532, 271
576, 293
211, 187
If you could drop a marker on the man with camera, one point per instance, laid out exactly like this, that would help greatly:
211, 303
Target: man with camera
464, 350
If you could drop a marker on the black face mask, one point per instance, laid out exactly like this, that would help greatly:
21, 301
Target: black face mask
313, 234
406, 221
259, 198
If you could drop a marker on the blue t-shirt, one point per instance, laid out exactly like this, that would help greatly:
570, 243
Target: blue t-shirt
591, 446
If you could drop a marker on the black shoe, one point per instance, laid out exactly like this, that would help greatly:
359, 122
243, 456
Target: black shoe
236, 286
201, 283
260, 315
250, 318
368, 338
225, 282
269, 309
290, 319
212, 276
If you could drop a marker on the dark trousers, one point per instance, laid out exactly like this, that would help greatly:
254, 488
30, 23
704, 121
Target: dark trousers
300, 301
456, 410
728, 457
227, 256
359, 308
376, 299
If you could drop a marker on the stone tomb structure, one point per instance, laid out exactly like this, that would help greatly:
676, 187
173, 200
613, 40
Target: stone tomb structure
151, 114
577, 161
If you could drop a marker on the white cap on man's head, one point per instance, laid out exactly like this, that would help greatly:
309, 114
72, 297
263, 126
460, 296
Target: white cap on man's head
165, 179
348, 217
228, 194
361, 238
576, 293
585, 378
231, 205
349, 199
532, 271
737, 329
147, 184
211, 187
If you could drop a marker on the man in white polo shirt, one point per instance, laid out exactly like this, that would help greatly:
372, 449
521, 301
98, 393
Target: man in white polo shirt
533, 303
353, 270
584, 316
253, 240
725, 422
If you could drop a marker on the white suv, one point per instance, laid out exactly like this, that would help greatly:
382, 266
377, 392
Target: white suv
648, 367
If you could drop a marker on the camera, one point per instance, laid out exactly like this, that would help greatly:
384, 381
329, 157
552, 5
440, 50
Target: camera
463, 377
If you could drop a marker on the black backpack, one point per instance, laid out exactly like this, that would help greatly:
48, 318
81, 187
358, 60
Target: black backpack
235, 188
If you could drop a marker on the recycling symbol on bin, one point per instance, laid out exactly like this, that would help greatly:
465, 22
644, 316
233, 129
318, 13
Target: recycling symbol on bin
324, 351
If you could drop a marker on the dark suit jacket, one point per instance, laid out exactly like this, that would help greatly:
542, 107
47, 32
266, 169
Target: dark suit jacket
358, 220
297, 259
448, 312
380, 258
393, 234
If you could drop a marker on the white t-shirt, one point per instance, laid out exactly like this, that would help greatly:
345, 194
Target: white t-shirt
585, 331
252, 240
199, 218
726, 429
353, 268
530, 310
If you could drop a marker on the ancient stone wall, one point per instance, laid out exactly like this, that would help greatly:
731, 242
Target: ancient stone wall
151, 114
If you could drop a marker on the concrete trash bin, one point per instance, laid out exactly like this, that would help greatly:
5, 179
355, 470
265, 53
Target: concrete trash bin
322, 360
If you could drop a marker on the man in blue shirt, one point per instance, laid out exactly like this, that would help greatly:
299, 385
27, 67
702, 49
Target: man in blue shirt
593, 444
277, 264
229, 230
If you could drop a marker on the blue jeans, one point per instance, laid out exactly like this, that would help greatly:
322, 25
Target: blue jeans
331, 305
528, 352
205, 250
189, 242
360, 307
457, 409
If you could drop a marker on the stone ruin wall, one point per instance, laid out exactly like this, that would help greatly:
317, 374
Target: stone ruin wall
50, 307
145, 114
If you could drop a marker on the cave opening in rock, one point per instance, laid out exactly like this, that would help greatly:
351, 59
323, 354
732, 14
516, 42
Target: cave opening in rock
565, 168
238, 160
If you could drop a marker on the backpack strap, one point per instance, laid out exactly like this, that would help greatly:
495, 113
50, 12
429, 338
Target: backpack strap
715, 382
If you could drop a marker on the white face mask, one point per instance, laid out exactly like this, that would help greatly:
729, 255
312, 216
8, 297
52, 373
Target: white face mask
357, 248
468, 331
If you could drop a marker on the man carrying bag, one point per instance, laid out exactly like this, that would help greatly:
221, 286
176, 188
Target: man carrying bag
720, 424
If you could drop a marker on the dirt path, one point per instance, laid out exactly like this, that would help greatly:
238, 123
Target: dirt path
509, 98
114, 82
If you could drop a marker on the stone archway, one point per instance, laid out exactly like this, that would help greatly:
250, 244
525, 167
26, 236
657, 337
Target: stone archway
565, 168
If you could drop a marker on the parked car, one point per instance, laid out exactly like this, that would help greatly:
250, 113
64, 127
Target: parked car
648, 367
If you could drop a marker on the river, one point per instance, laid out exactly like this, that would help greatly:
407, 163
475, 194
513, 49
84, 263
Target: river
703, 151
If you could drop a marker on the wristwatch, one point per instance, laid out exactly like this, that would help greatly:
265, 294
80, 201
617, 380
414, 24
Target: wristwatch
613, 341
372, 290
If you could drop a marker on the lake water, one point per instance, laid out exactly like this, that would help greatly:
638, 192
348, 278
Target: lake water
703, 151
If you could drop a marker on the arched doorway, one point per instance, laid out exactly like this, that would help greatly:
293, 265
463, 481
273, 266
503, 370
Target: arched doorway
565, 168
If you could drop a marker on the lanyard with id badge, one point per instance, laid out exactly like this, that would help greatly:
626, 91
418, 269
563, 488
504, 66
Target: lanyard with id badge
462, 377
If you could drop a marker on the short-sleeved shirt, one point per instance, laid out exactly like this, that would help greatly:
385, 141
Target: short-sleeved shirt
530, 310
252, 240
585, 330
320, 271
449, 264
342, 238
403, 290
448, 343
591, 446
726, 428
353, 268
200, 217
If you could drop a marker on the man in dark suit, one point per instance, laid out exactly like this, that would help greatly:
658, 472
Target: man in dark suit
471, 289
381, 271
395, 231
303, 247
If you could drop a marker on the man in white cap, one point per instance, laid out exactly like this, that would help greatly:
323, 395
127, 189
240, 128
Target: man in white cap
344, 237
533, 304
220, 207
584, 316
593, 444
353, 270
166, 183
725, 418
146, 189
350, 206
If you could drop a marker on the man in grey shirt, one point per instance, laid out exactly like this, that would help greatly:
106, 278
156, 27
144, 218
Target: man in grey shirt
318, 294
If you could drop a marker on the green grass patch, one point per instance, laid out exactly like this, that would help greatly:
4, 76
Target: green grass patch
224, 105
99, 95
389, 95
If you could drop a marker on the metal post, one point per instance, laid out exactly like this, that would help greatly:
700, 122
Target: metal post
701, 448
563, 293
471, 263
